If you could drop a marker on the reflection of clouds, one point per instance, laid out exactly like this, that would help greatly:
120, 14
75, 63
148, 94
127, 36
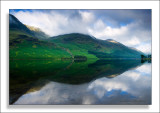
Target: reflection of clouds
109, 85
102, 85
55, 93
88, 99
133, 82
131, 87
134, 75
145, 68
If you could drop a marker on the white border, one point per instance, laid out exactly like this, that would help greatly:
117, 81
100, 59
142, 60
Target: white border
6, 5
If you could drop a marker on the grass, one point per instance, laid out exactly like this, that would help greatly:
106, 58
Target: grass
31, 51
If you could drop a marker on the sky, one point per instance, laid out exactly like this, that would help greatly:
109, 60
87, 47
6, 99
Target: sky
129, 27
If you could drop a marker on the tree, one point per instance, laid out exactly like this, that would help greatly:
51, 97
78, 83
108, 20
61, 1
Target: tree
142, 56
149, 56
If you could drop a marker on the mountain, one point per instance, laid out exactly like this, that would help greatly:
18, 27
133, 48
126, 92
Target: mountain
27, 42
15, 25
79, 44
37, 32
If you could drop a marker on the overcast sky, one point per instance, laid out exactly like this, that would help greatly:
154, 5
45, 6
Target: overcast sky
130, 27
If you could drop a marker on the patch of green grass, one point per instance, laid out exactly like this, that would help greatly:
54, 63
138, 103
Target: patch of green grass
29, 50
77, 49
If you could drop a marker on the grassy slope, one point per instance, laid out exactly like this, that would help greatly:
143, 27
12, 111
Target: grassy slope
23, 46
76, 48
79, 45
85, 45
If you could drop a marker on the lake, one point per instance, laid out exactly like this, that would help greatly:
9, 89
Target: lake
69, 82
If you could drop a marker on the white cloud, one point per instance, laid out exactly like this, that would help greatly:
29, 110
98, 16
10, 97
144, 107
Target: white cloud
50, 23
87, 17
109, 85
99, 25
145, 68
133, 41
146, 48
134, 75
106, 31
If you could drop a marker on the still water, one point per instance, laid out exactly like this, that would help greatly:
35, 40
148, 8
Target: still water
109, 82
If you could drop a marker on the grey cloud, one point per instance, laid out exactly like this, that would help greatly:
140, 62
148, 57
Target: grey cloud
117, 16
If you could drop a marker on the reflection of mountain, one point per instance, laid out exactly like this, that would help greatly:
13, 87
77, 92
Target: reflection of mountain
112, 68
24, 74
132, 87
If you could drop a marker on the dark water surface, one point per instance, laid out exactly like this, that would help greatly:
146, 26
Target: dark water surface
108, 82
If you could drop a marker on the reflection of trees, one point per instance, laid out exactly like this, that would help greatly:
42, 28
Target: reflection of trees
146, 58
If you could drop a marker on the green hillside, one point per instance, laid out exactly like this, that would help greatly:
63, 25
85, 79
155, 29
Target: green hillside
80, 44
31, 43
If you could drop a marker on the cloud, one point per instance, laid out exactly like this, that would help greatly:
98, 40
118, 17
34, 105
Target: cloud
133, 41
134, 75
130, 27
107, 86
106, 31
146, 48
87, 17
145, 69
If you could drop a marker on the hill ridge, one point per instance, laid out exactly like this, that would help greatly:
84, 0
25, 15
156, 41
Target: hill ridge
72, 44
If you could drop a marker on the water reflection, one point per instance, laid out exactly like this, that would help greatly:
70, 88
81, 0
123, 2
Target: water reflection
130, 87
24, 74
